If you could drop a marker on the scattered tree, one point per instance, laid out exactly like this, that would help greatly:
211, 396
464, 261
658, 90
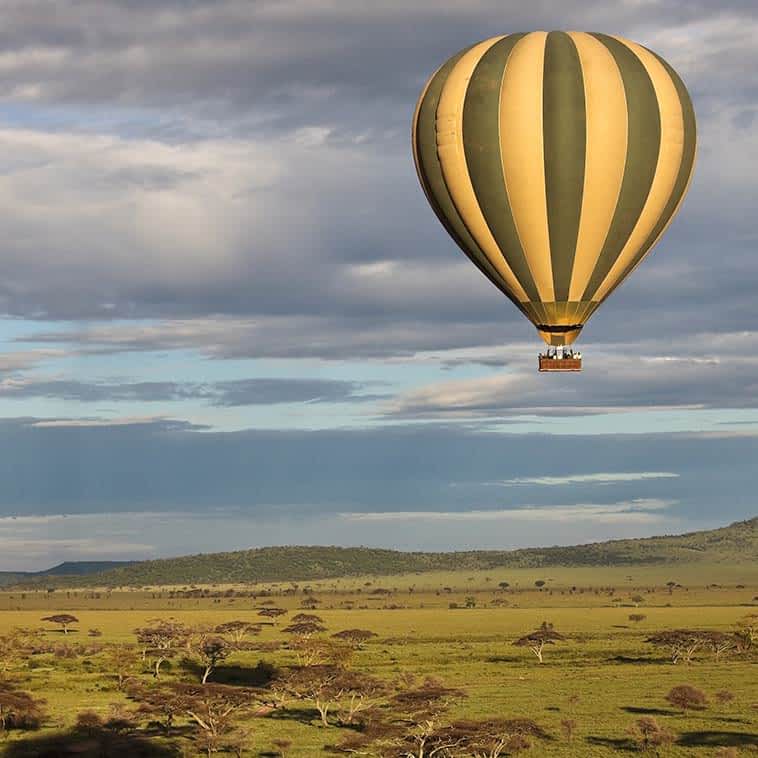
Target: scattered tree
122, 661
304, 628
355, 637
64, 620
725, 697
312, 651
213, 707
537, 639
319, 683
747, 628
307, 618
687, 697
720, 642
211, 652
649, 734
272, 613
162, 640
156, 703
238, 630
568, 727
682, 644
18, 709
637, 617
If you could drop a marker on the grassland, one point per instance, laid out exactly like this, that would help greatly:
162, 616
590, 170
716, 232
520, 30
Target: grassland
603, 677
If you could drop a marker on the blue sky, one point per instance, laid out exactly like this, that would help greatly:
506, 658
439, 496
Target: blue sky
229, 318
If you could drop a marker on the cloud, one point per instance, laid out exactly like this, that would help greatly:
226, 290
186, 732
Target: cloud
89, 465
604, 478
237, 392
635, 511
613, 381
251, 162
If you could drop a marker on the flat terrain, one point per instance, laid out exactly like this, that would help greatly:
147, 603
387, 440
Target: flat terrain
603, 677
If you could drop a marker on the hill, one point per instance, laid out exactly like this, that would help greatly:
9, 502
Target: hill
67, 568
731, 544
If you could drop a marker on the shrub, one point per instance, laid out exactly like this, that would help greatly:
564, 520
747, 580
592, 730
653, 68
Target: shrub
648, 733
687, 697
568, 727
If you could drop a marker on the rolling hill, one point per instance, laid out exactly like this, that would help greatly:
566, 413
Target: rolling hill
67, 568
731, 544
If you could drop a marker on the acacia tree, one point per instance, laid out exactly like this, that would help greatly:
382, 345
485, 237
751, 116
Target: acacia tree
747, 629
649, 734
721, 642
64, 620
314, 652
304, 629
18, 709
122, 660
359, 692
213, 708
302, 618
319, 684
682, 644
272, 613
162, 639
238, 630
488, 738
536, 640
157, 703
211, 652
355, 637
419, 711
16, 644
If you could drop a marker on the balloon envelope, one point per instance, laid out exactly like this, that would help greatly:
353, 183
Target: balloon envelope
555, 161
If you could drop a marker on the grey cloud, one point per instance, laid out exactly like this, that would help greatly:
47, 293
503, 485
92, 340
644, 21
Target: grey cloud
159, 465
239, 392
258, 169
611, 382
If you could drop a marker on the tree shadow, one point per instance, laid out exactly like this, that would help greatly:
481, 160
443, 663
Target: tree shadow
96, 743
637, 661
718, 739
71, 630
301, 715
504, 659
619, 743
731, 720
649, 711
260, 675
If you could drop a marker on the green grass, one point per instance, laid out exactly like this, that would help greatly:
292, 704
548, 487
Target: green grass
606, 663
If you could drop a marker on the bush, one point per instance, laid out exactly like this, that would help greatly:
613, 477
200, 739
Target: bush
687, 697
648, 733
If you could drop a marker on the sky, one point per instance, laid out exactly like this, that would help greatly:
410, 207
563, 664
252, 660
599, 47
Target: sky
229, 319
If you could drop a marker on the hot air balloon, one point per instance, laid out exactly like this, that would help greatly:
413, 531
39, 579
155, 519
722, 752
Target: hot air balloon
555, 161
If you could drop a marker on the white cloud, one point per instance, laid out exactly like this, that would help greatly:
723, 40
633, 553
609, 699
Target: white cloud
602, 478
633, 511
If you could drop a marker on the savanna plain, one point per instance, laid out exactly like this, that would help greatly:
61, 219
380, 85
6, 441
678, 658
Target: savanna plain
658, 659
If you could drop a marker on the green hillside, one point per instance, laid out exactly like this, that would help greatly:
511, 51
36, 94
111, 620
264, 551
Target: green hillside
67, 568
731, 544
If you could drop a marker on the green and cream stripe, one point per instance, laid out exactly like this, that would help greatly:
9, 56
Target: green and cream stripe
555, 161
